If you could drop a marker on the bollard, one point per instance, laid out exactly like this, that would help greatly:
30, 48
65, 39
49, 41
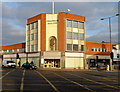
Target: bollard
108, 68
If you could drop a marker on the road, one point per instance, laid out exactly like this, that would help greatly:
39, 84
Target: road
18, 80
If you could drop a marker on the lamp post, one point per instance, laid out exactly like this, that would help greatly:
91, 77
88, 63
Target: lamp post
109, 18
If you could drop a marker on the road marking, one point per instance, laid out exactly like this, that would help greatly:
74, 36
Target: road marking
6, 74
22, 82
102, 78
74, 82
94, 81
47, 81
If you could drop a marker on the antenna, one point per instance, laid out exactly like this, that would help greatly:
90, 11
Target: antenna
53, 6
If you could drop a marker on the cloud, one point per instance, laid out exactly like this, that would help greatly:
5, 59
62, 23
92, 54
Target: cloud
15, 15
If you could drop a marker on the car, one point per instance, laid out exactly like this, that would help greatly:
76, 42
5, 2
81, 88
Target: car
8, 63
29, 66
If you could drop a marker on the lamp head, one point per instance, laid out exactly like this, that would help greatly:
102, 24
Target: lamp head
102, 19
117, 14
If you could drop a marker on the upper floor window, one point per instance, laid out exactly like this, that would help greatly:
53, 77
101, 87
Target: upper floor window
69, 35
32, 47
69, 47
81, 36
28, 27
75, 47
69, 23
36, 24
75, 35
75, 24
81, 25
82, 47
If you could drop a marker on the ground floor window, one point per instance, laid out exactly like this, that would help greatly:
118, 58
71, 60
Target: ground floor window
51, 63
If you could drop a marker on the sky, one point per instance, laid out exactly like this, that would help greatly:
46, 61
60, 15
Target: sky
15, 15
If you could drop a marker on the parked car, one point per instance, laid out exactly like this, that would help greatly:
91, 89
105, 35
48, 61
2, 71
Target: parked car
8, 63
29, 66
101, 67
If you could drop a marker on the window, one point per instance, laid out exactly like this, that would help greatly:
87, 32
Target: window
28, 48
82, 47
75, 24
75, 47
69, 47
15, 50
36, 47
32, 36
28, 38
81, 36
99, 49
81, 25
32, 47
5, 51
21, 50
10, 50
32, 26
69, 23
75, 35
92, 49
36, 25
69, 35
36, 36
28, 27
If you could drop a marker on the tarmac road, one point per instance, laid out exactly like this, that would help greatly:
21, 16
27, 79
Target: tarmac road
18, 80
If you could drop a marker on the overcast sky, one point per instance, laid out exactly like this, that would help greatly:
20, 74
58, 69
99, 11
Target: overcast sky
15, 14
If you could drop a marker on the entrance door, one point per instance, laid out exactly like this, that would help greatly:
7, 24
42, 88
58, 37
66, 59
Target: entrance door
52, 63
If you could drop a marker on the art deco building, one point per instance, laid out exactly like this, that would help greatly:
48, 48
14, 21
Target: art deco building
59, 38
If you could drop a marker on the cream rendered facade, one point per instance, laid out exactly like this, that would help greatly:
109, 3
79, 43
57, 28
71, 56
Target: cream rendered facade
52, 57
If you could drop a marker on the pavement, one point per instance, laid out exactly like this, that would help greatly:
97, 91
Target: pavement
59, 80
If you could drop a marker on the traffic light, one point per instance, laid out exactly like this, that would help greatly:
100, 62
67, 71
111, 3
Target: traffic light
17, 56
111, 55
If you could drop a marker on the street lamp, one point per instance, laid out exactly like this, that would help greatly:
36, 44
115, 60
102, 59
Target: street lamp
109, 18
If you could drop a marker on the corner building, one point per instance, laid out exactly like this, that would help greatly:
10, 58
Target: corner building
59, 38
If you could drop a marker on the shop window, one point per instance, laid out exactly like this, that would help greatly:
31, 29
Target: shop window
69, 47
75, 47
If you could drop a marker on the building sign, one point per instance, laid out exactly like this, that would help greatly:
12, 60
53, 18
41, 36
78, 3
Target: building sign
52, 21
10, 56
74, 54
34, 55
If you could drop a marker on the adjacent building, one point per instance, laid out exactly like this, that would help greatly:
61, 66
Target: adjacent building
97, 54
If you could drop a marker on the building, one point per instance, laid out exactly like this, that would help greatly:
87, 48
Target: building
9, 52
116, 56
59, 38
97, 54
